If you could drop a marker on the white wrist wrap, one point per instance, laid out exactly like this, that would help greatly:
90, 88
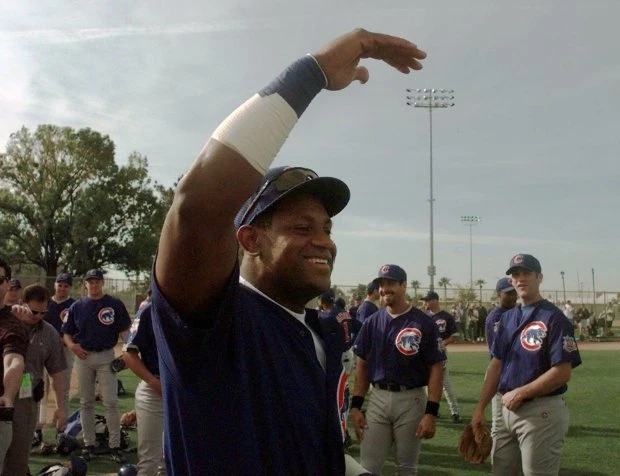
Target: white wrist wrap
257, 129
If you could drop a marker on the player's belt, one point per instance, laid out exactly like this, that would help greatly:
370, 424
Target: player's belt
392, 387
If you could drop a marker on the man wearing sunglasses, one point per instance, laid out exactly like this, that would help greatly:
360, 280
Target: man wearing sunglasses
44, 352
250, 383
13, 346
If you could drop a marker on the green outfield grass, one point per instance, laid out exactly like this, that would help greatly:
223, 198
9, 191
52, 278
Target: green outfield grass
591, 447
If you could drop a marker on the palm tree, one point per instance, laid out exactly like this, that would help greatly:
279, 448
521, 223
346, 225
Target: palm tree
415, 284
444, 283
480, 283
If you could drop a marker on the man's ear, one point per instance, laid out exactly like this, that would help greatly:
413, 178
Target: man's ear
250, 239
540, 277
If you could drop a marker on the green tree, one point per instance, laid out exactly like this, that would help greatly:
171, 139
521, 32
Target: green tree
415, 284
444, 283
66, 205
480, 283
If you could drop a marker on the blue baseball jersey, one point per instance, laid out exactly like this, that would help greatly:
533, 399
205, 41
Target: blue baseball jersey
57, 312
491, 324
142, 339
366, 309
445, 324
399, 349
244, 392
349, 328
530, 341
95, 324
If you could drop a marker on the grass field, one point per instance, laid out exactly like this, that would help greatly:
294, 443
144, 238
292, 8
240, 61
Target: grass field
591, 447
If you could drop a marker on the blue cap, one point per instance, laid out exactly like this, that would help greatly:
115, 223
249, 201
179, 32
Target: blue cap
65, 278
281, 182
523, 261
504, 285
372, 287
93, 274
392, 272
79, 467
327, 296
431, 296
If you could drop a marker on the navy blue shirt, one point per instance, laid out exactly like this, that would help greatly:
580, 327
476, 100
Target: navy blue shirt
95, 324
57, 312
244, 392
445, 324
399, 349
492, 323
366, 309
340, 318
142, 339
530, 345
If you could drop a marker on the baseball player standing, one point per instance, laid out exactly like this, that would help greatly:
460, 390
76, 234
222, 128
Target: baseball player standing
140, 355
400, 353
369, 306
507, 299
447, 331
250, 383
534, 352
91, 331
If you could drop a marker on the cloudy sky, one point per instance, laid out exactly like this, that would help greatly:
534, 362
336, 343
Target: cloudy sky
531, 145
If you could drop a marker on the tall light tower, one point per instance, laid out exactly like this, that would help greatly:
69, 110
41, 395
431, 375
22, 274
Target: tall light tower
563, 286
431, 99
470, 221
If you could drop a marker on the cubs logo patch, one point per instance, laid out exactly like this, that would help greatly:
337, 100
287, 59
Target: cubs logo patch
63, 315
384, 269
441, 323
343, 401
408, 341
569, 344
517, 259
533, 335
106, 316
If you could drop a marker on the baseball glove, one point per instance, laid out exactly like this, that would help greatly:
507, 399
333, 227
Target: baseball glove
129, 419
118, 364
475, 444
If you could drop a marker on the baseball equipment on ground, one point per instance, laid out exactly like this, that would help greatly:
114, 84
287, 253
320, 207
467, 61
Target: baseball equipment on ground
66, 444
128, 470
475, 444
118, 364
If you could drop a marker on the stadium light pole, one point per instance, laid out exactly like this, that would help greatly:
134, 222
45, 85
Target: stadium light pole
593, 295
431, 99
563, 286
470, 221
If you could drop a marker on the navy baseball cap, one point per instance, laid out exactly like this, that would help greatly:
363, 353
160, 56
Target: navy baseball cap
327, 296
504, 285
371, 287
15, 283
93, 274
523, 261
392, 272
65, 278
281, 182
431, 296
79, 467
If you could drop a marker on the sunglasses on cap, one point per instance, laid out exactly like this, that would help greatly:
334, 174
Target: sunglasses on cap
283, 182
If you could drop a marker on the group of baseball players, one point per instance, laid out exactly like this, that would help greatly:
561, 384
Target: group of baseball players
251, 381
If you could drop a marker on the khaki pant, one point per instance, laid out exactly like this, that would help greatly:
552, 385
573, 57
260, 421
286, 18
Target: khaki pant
393, 417
24, 424
530, 441
150, 419
96, 368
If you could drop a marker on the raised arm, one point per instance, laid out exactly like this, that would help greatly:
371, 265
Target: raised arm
198, 242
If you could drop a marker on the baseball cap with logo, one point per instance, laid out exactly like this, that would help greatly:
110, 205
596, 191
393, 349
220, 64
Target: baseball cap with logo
431, 296
504, 285
65, 278
392, 272
15, 283
523, 261
93, 274
281, 182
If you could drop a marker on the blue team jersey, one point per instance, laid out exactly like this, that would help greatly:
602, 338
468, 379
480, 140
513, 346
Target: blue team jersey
244, 392
366, 309
339, 318
491, 324
57, 312
445, 324
142, 339
399, 350
530, 346
95, 324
